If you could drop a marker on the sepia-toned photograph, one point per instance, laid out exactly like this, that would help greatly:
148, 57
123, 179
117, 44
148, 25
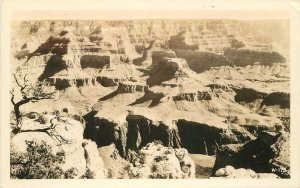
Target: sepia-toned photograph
150, 99
149, 94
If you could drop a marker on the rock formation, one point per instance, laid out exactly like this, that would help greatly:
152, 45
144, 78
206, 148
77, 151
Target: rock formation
231, 172
262, 155
158, 162
62, 134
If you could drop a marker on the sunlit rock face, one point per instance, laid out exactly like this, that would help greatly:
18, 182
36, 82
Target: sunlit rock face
66, 136
157, 162
231, 172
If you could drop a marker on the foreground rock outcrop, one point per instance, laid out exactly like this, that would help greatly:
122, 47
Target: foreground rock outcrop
231, 172
59, 135
155, 161
115, 166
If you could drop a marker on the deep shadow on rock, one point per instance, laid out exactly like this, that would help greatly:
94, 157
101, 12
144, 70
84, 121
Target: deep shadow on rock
263, 155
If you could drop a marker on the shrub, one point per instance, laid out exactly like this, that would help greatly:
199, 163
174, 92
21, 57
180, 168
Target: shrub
71, 173
65, 110
42, 119
38, 163
88, 174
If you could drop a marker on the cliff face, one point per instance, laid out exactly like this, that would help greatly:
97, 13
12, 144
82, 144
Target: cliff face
278, 98
133, 133
201, 61
131, 87
243, 57
261, 155
94, 61
167, 69
199, 95
108, 82
267, 104
63, 83
54, 65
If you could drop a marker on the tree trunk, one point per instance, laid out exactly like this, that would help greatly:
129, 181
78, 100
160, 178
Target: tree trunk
17, 114
17, 110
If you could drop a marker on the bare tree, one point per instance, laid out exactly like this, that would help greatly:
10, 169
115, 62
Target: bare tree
29, 93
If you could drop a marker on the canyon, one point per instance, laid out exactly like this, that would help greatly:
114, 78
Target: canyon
164, 98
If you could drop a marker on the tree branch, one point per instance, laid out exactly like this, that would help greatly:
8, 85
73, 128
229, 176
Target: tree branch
22, 87
30, 93
23, 101
51, 130
12, 99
